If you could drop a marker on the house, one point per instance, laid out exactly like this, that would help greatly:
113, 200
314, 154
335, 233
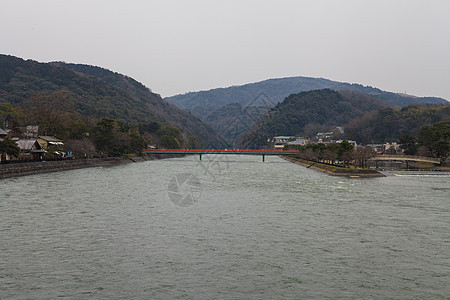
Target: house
393, 148
299, 141
30, 149
3, 133
378, 148
52, 145
50, 142
386, 148
280, 141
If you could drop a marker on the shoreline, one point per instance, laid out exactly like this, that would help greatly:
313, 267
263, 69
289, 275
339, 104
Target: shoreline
19, 169
335, 171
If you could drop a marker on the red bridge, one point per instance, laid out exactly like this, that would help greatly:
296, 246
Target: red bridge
220, 151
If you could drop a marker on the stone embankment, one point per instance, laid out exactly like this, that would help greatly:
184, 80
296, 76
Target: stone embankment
30, 168
336, 171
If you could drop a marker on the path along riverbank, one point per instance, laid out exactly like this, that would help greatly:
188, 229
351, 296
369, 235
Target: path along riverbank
336, 171
30, 168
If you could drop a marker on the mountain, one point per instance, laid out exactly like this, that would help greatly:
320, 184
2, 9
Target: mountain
95, 92
209, 105
306, 113
386, 125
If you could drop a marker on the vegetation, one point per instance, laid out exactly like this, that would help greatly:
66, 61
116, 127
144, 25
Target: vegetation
306, 113
339, 154
8, 147
233, 121
7, 113
222, 107
88, 93
88, 137
431, 140
388, 124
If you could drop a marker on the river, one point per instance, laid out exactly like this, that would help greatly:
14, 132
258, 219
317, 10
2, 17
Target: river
226, 227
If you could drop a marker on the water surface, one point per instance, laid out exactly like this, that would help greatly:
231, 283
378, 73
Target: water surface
253, 230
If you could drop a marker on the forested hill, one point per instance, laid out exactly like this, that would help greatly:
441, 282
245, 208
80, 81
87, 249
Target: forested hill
234, 110
306, 113
204, 102
95, 92
388, 124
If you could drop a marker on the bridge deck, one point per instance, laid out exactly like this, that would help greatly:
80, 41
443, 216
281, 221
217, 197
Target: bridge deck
406, 158
219, 151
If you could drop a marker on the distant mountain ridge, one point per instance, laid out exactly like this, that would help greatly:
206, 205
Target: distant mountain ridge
95, 92
227, 109
279, 88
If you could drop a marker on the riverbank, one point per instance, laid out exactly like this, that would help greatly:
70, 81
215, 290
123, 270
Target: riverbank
30, 168
334, 170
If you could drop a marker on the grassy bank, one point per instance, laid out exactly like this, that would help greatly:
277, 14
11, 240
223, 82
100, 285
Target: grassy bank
335, 170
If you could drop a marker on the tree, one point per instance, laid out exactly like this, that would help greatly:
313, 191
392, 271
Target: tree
408, 144
76, 129
82, 148
104, 134
194, 142
437, 139
345, 152
137, 142
50, 112
331, 153
9, 147
169, 142
7, 113
150, 127
362, 154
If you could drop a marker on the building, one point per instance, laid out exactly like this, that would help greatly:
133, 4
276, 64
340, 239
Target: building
299, 141
52, 145
50, 142
280, 141
392, 148
30, 149
3, 133
386, 148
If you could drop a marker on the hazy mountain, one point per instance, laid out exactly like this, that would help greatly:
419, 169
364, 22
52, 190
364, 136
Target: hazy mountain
210, 105
95, 92
278, 89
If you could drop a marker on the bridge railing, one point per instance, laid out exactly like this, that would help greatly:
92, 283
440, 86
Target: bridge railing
405, 157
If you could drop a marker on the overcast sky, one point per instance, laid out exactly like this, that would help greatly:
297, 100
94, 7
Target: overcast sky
179, 46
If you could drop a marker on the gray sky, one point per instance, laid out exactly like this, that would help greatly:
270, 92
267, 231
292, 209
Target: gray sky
179, 46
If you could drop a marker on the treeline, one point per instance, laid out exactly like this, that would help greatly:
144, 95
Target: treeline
431, 140
307, 113
87, 136
342, 154
388, 124
93, 93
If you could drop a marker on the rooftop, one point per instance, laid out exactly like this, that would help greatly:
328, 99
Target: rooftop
25, 144
49, 138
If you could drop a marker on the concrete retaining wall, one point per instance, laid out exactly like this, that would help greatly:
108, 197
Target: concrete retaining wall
30, 168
